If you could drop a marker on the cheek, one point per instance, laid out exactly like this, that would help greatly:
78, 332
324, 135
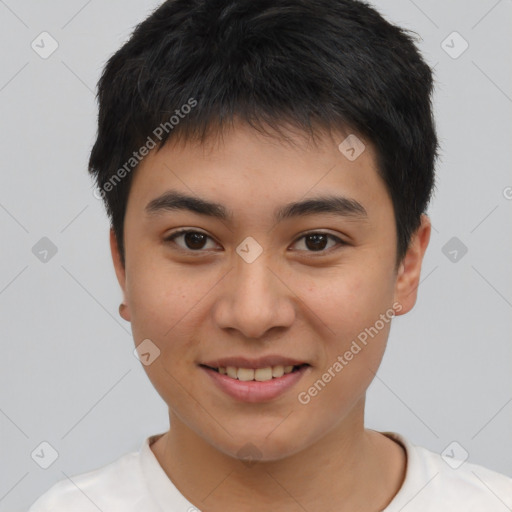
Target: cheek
356, 308
347, 299
161, 295
334, 388
162, 303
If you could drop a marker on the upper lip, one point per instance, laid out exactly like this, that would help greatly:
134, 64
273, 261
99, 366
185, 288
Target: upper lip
260, 362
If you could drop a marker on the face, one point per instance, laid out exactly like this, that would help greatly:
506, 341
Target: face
233, 295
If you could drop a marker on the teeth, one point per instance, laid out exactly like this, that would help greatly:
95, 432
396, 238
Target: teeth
277, 371
231, 371
259, 374
262, 374
245, 374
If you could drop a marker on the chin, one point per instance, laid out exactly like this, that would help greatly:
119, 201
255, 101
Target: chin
257, 447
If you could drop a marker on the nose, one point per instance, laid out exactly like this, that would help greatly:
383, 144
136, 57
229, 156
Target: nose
255, 299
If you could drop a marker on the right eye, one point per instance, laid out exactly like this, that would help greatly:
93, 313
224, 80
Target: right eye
194, 241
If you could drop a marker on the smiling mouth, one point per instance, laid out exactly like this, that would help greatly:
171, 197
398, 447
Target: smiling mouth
256, 374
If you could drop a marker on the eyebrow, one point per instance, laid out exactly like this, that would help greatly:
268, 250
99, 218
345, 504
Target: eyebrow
173, 200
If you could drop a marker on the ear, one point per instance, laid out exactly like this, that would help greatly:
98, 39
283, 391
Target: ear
120, 273
408, 277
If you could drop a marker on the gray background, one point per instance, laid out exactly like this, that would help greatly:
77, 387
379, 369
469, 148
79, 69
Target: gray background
68, 375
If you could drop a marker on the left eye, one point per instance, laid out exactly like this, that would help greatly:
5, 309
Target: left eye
318, 241
195, 240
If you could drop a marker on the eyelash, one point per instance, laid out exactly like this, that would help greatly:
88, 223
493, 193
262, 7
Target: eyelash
176, 234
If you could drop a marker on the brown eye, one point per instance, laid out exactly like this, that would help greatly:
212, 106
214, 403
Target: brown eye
193, 240
317, 242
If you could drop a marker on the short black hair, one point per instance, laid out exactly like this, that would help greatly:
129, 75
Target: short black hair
194, 67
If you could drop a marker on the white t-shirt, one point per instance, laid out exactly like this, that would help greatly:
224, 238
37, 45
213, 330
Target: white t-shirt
137, 483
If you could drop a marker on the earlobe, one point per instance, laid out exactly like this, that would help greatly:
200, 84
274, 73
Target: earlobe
408, 277
120, 274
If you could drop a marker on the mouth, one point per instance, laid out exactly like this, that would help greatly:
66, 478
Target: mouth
264, 374
255, 380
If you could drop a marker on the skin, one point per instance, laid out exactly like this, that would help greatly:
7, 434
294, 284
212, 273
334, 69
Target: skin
291, 301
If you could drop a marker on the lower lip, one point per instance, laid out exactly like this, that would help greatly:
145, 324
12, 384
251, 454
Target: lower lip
252, 390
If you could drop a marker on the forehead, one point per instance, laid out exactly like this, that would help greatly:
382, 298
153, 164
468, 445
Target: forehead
244, 168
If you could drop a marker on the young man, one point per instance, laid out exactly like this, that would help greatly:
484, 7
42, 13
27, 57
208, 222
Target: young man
266, 166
